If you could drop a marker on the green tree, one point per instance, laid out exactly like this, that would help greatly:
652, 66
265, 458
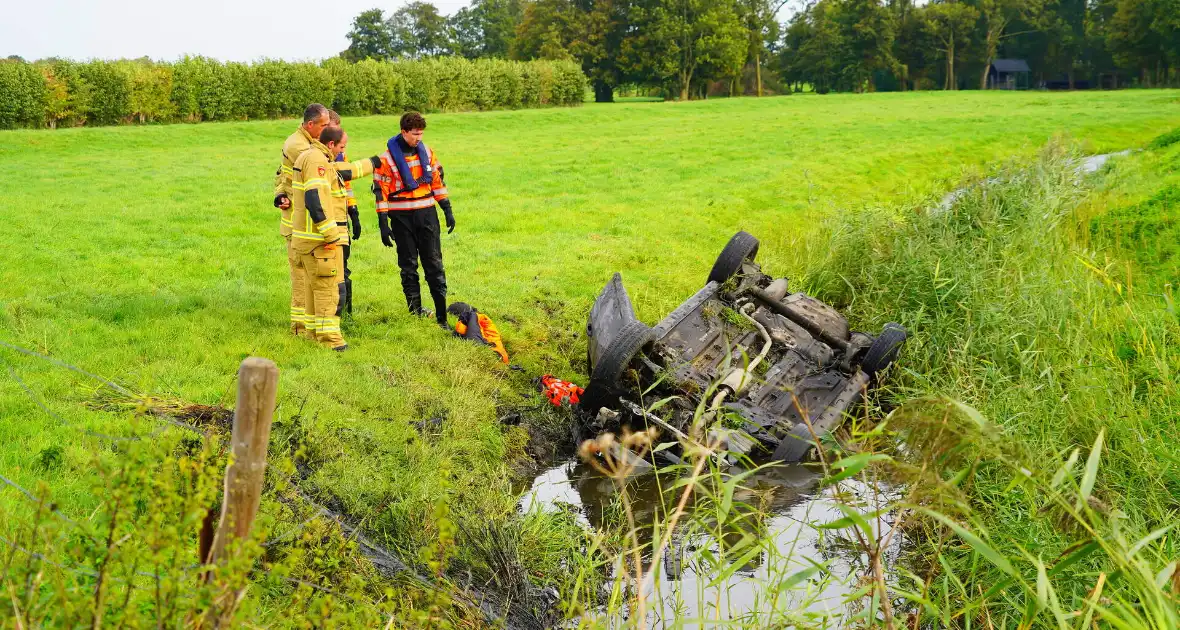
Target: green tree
150, 91
464, 34
22, 94
1099, 57
915, 49
417, 30
950, 24
648, 55
1143, 36
706, 34
1063, 25
369, 37
544, 31
598, 31
867, 31
811, 48
68, 94
484, 29
762, 30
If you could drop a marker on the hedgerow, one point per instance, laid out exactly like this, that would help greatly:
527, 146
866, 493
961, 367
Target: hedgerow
54, 93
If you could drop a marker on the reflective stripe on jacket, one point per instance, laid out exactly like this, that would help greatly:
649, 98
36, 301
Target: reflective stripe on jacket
341, 157
389, 180
312, 185
344, 173
293, 148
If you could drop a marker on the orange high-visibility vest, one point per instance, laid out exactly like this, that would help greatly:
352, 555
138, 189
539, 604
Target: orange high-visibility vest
390, 181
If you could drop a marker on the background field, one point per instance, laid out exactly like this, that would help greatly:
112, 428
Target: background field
150, 255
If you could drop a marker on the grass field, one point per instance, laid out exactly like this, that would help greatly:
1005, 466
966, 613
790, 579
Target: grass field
151, 256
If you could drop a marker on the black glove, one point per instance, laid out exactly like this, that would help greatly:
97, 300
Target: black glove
375, 161
386, 232
445, 204
279, 200
354, 215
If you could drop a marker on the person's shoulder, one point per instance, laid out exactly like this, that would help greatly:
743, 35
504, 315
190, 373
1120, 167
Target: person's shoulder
296, 141
310, 159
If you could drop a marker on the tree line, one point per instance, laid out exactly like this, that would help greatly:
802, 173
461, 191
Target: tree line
694, 48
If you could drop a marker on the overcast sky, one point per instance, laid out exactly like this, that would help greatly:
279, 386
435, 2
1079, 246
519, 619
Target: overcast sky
230, 30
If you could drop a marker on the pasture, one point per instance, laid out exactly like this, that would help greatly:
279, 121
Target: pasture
151, 256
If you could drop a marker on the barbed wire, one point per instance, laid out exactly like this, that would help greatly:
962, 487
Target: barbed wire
30, 496
33, 353
382, 559
43, 558
39, 401
185, 571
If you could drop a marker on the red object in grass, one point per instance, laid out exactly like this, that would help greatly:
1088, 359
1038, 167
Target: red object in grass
560, 392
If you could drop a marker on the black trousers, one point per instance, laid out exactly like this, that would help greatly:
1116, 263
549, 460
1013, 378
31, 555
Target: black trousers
346, 303
418, 236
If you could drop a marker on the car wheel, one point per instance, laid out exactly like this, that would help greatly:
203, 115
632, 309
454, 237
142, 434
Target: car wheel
795, 445
614, 361
743, 246
884, 350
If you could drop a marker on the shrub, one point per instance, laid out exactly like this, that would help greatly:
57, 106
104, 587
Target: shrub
507, 83
111, 86
189, 75
569, 84
150, 97
419, 81
22, 95
270, 89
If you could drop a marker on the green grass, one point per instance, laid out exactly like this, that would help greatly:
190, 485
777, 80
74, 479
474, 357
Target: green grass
1141, 224
150, 255
1061, 337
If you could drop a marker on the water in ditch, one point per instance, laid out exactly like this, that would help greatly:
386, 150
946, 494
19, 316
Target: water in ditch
794, 503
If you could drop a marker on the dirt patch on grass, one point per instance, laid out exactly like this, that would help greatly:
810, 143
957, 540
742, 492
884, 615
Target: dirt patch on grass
206, 417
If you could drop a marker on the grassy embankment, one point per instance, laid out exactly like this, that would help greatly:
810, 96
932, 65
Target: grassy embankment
156, 263
1045, 301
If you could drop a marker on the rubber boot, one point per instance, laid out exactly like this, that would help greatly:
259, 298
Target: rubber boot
440, 310
348, 296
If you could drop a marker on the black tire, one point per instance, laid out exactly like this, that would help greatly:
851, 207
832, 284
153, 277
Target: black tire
604, 376
743, 246
795, 445
622, 349
884, 350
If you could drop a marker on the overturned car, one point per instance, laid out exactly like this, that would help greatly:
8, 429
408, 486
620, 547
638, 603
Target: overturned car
744, 358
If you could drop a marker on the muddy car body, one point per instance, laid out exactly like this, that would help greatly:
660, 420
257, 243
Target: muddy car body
742, 352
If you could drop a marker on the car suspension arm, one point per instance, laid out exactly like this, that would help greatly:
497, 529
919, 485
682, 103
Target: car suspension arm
807, 324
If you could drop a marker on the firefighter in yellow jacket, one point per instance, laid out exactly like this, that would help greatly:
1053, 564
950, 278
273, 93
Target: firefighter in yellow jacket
408, 184
316, 234
315, 119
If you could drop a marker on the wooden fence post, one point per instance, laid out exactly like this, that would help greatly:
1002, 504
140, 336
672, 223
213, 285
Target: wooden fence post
258, 383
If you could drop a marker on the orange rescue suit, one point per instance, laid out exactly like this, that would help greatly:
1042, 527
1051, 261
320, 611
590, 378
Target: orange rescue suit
484, 330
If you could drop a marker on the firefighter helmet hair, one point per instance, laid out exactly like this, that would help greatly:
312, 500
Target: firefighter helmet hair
333, 117
412, 121
331, 134
313, 112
